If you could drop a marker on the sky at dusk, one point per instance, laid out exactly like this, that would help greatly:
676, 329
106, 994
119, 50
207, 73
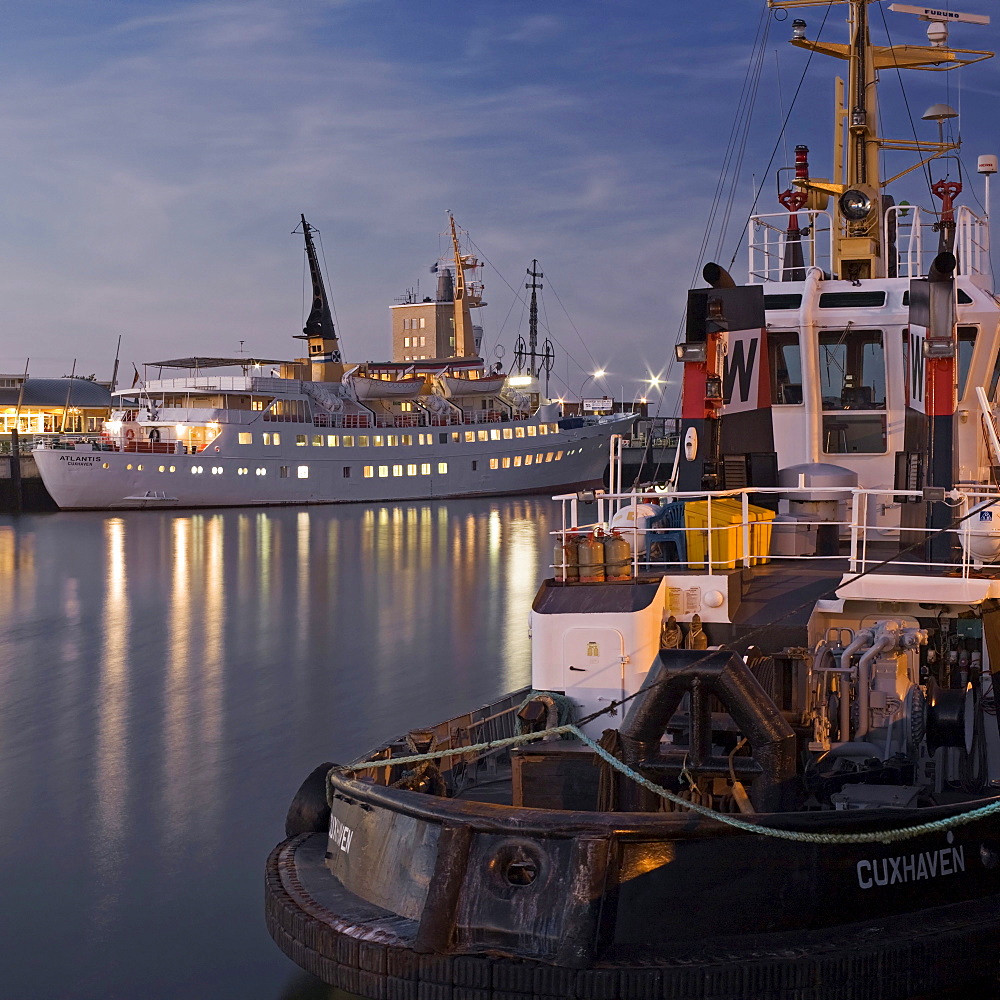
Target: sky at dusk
156, 156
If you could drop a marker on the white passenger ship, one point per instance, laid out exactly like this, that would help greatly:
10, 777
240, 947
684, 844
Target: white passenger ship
324, 432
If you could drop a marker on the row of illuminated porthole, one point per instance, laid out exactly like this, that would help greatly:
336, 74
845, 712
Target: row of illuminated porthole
397, 470
508, 461
395, 440
301, 471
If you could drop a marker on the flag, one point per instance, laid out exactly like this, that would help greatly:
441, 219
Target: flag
135, 380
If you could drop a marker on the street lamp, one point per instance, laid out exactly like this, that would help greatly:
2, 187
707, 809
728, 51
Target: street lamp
600, 373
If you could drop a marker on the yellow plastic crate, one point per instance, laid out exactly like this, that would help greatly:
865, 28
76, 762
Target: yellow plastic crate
727, 536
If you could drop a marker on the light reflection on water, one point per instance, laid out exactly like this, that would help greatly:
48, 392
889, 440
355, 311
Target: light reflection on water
168, 678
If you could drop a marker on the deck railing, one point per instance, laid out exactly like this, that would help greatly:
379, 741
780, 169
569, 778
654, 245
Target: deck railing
713, 532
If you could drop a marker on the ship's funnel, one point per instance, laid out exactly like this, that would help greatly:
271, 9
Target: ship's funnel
717, 276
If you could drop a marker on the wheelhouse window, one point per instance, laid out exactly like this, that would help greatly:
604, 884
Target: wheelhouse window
852, 369
852, 381
786, 368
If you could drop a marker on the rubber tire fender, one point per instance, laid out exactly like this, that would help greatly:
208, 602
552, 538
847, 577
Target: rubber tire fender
309, 811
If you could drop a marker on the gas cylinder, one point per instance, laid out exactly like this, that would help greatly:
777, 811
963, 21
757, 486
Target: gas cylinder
590, 557
617, 557
564, 558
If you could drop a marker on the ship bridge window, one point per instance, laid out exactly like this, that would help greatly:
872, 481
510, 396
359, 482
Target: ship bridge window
852, 369
966, 346
786, 368
851, 300
852, 378
783, 301
963, 298
994, 379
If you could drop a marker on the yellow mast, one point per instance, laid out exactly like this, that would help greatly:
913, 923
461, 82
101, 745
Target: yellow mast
467, 296
857, 191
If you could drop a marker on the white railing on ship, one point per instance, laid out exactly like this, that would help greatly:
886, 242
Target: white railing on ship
911, 223
863, 543
767, 238
215, 383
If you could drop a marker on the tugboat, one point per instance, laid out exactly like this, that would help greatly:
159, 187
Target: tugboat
760, 756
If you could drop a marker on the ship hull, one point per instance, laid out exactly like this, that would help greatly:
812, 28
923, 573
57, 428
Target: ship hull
407, 889
227, 474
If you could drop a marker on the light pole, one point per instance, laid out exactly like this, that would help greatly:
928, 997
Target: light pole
600, 373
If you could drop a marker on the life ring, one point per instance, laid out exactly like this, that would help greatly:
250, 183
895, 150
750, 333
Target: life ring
154, 435
129, 434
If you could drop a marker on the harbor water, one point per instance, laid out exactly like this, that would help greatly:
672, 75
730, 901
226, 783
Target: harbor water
167, 679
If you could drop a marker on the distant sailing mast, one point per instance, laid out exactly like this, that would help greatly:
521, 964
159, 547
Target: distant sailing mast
537, 361
859, 204
323, 343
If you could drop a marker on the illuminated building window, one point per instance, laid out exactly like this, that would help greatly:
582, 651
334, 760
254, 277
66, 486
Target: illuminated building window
129, 466
397, 470
405, 407
378, 441
317, 440
369, 471
517, 461
495, 434
548, 457
393, 440
484, 435
425, 468
275, 439
553, 428
383, 471
303, 472
173, 468
267, 438
507, 434
494, 463
559, 455
246, 437
262, 472
407, 439
362, 440
519, 432
506, 462
194, 470
470, 435
105, 465
283, 472
455, 437
347, 440
538, 458
421, 437
163, 468
138, 468
406, 342
332, 441
527, 459
442, 467
543, 428
411, 470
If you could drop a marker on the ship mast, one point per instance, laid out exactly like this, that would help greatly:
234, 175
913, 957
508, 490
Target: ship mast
859, 204
468, 295
319, 331
537, 361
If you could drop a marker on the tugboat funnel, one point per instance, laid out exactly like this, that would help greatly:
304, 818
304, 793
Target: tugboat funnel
717, 276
